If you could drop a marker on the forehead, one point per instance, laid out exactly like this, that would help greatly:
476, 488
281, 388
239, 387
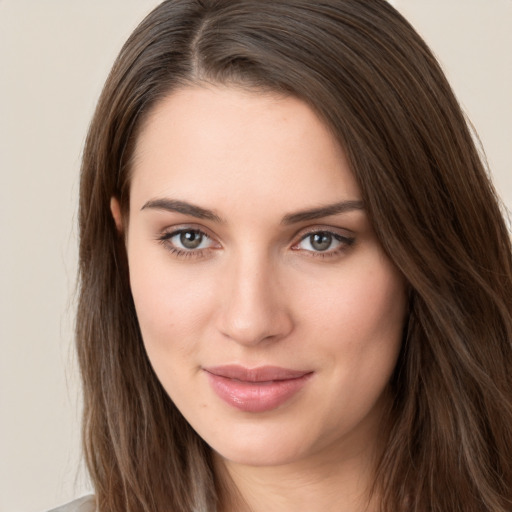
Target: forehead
214, 143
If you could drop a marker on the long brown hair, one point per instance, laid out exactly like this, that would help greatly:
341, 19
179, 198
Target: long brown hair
374, 82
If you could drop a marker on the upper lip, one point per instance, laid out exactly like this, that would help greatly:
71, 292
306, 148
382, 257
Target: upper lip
259, 374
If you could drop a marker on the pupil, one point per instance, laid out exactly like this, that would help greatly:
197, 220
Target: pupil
321, 241
191, 239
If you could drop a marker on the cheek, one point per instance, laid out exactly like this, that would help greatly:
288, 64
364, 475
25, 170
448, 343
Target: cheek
173, 306
360, 337
358, 320
369, 300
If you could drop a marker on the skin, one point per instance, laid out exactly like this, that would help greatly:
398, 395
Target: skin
258, 292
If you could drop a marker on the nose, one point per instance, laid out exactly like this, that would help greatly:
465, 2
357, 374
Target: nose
254, 308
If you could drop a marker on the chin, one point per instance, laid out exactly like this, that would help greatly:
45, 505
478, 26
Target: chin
258, 456
257, 446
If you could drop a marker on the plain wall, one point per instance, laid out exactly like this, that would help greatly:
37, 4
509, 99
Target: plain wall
54, 57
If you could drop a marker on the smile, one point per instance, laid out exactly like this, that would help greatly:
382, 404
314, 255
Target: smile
256, 390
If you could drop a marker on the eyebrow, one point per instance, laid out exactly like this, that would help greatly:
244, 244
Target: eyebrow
322, 211
174, 205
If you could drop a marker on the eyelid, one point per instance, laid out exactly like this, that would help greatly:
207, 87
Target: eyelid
180, 228
311, 230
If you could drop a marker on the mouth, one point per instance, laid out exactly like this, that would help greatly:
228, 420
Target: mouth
256, 389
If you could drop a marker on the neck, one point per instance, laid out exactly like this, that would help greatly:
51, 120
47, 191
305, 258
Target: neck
329, 484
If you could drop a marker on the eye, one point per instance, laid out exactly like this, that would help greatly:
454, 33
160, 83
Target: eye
323, 243
187, 241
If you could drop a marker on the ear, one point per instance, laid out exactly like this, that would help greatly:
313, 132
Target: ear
115, 209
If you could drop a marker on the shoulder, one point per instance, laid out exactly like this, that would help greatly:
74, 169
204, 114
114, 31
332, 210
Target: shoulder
85, 504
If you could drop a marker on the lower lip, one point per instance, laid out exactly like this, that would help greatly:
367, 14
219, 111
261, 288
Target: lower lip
256, 396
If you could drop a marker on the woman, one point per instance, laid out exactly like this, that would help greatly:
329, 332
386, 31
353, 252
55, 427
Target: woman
296, 283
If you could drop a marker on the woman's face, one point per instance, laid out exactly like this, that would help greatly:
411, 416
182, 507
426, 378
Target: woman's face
268, 309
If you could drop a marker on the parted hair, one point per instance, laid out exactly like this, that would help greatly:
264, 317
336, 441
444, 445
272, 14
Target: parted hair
373, 81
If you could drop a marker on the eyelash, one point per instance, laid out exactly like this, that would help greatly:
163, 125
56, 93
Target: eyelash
344, 241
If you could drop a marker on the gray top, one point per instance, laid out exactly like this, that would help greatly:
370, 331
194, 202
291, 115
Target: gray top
85, 504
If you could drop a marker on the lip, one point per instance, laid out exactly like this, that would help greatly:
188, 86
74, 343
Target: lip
256, 389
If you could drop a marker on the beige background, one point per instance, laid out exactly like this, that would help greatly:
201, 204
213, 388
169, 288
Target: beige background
54, 57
